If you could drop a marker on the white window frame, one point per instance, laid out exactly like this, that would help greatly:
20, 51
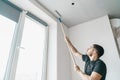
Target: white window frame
14, 51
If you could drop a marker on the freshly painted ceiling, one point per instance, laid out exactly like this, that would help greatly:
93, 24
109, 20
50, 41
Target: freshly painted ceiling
82, 10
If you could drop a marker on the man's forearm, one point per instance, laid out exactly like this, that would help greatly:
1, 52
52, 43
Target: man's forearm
84, 76
73, 49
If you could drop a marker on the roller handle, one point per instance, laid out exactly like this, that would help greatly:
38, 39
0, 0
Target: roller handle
67, 44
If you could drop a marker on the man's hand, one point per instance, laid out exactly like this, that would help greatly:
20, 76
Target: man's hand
77, 69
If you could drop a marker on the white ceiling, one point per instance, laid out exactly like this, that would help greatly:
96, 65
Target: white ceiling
82, 10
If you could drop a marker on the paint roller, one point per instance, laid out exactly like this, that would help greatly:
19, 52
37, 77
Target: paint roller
62, 27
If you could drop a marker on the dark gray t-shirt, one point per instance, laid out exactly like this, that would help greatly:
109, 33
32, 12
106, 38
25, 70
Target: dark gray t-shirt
96, 66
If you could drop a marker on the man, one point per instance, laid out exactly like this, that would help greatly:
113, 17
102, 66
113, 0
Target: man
95, 69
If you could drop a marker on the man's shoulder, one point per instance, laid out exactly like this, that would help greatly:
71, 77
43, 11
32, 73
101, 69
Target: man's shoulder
100, 62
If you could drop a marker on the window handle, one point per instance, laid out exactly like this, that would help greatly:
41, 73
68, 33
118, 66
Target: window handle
21, 47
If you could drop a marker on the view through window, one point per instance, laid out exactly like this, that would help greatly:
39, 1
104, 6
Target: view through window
7, 28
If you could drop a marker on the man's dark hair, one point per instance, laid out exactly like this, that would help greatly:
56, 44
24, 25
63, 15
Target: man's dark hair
99, 49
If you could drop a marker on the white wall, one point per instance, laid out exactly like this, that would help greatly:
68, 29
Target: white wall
97, 31
59, 67
63, 57
52, 53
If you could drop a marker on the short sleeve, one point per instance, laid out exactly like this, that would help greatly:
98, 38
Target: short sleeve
100, 68
85, 58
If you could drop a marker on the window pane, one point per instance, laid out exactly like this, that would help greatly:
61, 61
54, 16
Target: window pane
7, 27
29, 65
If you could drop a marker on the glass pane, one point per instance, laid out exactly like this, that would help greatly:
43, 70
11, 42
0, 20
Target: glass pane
7, 27
29, 65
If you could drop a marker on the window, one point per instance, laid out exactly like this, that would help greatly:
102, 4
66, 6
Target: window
21, 47
29, 66
7, 27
